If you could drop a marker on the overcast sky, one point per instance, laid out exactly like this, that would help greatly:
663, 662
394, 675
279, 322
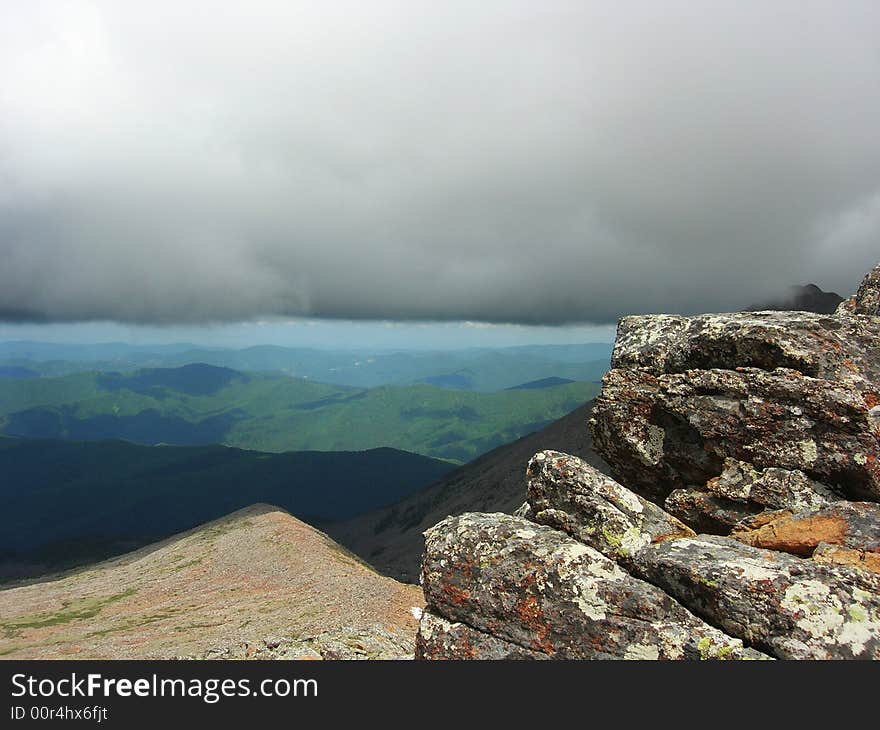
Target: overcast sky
540, 162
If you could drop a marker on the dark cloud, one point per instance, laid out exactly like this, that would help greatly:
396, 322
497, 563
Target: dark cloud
533, 162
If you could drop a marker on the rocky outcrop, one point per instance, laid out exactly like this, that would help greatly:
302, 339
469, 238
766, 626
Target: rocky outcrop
671, 431
538, 589
772, 390
867, 299
758, 433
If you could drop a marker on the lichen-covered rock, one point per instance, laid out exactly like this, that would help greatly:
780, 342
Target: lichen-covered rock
705, 512
740, 492
757, 425
441, 639
772, 488
567, 493
867, 299
854, 525
540, 589
837, 555
821, 346
665, 432
790, 607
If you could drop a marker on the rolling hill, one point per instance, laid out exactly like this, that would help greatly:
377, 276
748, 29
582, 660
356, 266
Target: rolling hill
65, 502
205, 404
256, 584
391, 538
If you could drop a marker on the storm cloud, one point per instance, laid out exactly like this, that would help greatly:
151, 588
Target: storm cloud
530, 162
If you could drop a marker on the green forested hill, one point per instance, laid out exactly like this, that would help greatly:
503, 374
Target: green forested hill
203, 404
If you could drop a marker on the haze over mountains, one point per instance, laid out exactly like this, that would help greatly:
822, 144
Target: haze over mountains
483, 369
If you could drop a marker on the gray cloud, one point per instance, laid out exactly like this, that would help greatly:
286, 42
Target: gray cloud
532, 162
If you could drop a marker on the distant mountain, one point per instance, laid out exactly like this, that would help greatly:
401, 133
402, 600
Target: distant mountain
205, 404
255, 584
459, 381
551, 382
391, 538
12, 371
479, 369
807, 298
69, 501
194, 379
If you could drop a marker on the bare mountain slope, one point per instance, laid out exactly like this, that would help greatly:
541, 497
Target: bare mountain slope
255, 584
391, 538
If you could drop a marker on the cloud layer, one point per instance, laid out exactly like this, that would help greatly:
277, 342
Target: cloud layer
531, 162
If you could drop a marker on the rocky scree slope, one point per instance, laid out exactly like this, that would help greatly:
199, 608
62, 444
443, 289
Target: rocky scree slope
741, 522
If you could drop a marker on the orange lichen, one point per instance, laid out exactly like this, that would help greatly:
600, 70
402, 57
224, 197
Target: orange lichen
790, 534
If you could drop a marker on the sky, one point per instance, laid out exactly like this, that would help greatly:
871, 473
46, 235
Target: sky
170, 169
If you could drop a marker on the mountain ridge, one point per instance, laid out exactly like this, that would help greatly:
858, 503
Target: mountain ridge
254, 584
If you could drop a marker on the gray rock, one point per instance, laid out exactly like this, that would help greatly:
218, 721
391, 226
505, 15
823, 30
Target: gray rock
740, 492
665, 432
538, 588
867, 299
772, 488
567, 493
844, 349
705, 512
787, 606
441, 639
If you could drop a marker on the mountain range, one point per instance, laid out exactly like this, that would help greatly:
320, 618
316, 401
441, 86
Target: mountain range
205, 404
481, 369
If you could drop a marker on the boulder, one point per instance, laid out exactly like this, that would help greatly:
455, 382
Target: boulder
789, 607
742, 491
569, 494
533, 586
772, 488
669, 431
843, 349
784, 605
